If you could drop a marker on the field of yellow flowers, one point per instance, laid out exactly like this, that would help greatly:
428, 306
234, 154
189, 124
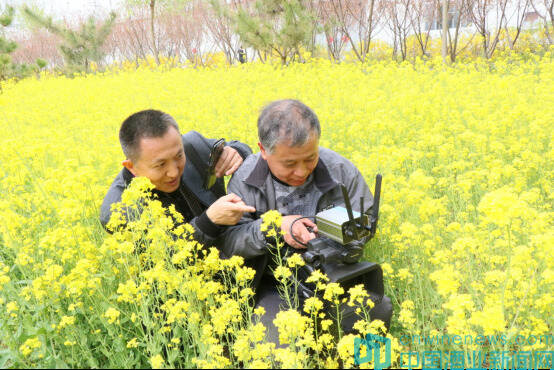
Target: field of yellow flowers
466, 234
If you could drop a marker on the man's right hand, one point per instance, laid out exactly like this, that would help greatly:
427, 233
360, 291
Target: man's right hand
228, 210
299, 229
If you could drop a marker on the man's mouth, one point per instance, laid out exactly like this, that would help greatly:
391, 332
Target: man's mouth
297, 182
173, 183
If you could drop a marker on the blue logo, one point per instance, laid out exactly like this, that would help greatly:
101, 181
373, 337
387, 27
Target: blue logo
372, 345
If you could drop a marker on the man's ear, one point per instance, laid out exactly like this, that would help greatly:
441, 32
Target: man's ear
129, 165
262, 151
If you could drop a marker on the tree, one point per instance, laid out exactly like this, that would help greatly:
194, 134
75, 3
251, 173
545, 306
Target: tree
445, 28
9, 69
280, 26
520, 10
152, 9
545, 11
185, 32
172, 25
357, 20
421, 13
128, 40
478, 12
398, 13
333, 28
79, 48
219, 22
460, 10
313, 7
6, 46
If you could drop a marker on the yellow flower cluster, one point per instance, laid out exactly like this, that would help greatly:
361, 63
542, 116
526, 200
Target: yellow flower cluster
112, 315
157, 362
465, 234
29, 346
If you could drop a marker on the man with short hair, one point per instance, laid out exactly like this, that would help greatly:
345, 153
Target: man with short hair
175, 165
293, 175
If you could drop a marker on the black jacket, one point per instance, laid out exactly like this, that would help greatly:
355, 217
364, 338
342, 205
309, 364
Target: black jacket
191, 199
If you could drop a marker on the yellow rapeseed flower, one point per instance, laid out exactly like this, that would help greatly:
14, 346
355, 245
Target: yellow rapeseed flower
133, 343
29, 346
157, 362
112, 315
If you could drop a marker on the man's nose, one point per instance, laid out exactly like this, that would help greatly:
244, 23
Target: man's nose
301, 171
173, 171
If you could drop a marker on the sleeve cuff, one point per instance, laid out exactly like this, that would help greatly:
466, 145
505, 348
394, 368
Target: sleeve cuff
206, 226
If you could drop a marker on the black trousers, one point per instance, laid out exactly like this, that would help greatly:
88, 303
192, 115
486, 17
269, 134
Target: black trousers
268, 297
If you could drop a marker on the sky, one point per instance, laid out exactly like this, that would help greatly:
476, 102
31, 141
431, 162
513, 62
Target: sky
68, 9
61, 9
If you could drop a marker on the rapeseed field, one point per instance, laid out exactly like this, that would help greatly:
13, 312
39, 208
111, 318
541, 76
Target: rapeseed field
465, 237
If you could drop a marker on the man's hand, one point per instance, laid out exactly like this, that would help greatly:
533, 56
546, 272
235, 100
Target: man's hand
228, 163
300, 230
228, 210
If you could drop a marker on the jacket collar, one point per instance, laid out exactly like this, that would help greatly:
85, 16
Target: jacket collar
322, 177
259, 173
127, 176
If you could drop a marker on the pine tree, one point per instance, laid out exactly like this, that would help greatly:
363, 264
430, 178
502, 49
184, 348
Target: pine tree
8, 69
280, 26
79, 47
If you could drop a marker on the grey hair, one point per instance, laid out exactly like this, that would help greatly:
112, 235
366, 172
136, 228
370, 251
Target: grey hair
286, 120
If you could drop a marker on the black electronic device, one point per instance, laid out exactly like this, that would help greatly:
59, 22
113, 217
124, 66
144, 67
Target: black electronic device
341, 231
338, 249
210, 177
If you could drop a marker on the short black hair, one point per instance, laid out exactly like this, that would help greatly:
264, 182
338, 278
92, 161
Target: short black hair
143, 124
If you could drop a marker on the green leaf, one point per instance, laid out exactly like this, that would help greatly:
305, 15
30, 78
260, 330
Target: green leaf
41, 63
6, 356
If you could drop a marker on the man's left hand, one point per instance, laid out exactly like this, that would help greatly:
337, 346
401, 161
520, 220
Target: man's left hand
228, 163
